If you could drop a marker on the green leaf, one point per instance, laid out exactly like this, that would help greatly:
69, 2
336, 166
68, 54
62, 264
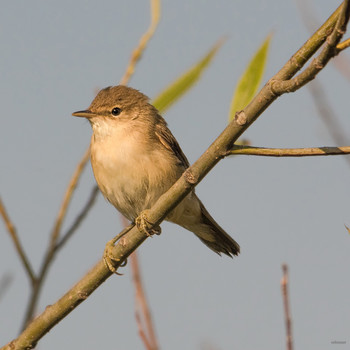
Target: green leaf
250, 80
181, 85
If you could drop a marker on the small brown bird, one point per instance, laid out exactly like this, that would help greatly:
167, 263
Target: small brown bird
135, 159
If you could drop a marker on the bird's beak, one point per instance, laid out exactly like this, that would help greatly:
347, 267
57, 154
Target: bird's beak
85, 114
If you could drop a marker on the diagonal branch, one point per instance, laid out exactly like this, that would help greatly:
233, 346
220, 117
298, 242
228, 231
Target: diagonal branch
343, 45
79, 219
327, 115
146, 328
318, 94
5, 283
13, 234
298, 60
51, 251
137, 53
55, 244
318, 63
307, 14
287, 152
169, 200
66, 200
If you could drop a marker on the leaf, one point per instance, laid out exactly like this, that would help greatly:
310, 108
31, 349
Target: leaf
347, 228
181, 85
249, 82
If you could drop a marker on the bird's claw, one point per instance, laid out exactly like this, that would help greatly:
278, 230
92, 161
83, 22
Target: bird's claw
145, 226
108, 257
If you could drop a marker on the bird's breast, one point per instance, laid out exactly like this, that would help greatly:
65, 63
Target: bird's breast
130, 172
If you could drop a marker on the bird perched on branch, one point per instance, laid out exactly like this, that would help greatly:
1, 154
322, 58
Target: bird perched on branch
135, 159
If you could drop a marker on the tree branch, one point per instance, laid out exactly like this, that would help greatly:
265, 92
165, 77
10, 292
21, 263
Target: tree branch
287, 152
146, 328
327, 115
78, 220
52, 248
54, 245
13, 234
66, 200
343, 45
137, 53
5, 283
317, 64
287, 317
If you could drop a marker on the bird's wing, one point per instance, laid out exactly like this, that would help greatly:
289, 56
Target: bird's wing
168, 140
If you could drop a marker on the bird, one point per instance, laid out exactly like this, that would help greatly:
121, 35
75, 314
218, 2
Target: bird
135, 159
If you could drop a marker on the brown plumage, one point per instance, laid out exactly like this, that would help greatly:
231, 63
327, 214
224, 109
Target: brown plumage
136, 158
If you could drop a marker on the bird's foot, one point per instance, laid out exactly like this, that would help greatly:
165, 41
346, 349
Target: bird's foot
145, 226
108, 258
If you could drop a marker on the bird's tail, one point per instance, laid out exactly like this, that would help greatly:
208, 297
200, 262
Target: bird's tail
219, 241
208, 230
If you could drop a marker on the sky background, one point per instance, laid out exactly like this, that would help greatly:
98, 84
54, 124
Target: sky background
54, 56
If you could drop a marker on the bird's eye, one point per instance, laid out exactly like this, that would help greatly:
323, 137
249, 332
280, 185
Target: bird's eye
116, 111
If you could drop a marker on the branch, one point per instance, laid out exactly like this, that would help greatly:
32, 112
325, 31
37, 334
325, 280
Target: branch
142, 334
148, 335
13, 234
5, 283
54, 245
307, 14
318, 63
298, 60
318, 94
79, 219
137, 53
169, 200
288, 320
52, 249
343, 45
327, 115
66, 200
287, 152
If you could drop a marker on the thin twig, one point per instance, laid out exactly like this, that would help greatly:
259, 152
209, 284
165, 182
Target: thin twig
327, 115
70, 190
79, 219
141, 332
51, 251
288, 152
142, 305
343, 45
138, 51
303, 55
13, 234
318, 94
335, 129
67, 198
307, 15
147, 335
317, 64
288, 320
5, 282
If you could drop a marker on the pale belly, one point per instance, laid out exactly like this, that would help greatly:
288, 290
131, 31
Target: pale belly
133, 181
